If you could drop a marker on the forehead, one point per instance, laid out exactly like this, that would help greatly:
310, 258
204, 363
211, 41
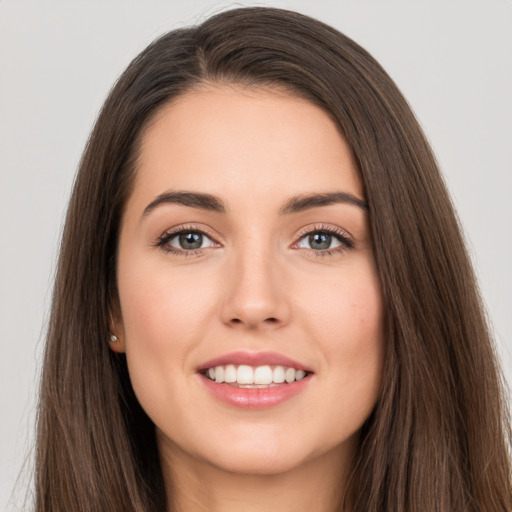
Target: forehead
233, 141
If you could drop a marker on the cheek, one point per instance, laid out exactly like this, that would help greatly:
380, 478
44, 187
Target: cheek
160, 307
348, 321
347, 311
161, 312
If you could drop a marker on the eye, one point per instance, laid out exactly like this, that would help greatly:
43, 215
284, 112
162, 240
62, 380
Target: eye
185, 241
319, 241
189, 241
325, 241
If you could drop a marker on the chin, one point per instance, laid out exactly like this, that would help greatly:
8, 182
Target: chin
255, 453
257, 463
255, 448
261, 454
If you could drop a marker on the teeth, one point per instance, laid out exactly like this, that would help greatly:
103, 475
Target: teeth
219, 374
300, 374
278, 375
261, 376
289, 374
230, 373
245, 375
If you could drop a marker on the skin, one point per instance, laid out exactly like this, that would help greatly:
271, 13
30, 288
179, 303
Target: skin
258, 285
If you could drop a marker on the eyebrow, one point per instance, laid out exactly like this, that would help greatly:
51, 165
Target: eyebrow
211, 203
192, 199
308, 201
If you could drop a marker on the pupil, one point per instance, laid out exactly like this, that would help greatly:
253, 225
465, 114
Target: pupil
320, 241
191, 240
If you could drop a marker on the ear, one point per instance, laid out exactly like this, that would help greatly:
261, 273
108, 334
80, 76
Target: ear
116, 329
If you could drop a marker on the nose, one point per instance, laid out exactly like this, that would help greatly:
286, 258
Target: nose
254, 293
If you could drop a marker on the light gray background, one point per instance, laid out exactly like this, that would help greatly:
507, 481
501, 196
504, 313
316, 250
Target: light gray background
451, 58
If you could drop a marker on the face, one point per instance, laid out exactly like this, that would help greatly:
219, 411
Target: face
250, 308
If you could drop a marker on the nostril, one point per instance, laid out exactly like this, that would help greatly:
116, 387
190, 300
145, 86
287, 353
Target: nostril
270, 320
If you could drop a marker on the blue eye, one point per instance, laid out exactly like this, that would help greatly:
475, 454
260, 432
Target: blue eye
319, 241
185, 241
189, 241
325, 241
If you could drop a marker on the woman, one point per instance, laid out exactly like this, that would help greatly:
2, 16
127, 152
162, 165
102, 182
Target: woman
263, 298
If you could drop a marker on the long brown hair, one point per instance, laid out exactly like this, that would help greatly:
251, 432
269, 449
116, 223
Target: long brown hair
438, 438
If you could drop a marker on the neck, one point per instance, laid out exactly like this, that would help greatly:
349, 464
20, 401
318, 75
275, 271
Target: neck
317, 484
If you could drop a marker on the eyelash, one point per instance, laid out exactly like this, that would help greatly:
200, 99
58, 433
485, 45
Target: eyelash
345, 242
165, 238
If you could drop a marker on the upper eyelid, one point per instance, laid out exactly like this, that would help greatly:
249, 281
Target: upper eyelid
346, 240
163, 241
335, 230
189, 228
303, 231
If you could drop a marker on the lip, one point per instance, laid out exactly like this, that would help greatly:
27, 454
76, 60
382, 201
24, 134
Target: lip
254, 398
254, 359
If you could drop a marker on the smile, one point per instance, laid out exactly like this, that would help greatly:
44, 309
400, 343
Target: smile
254, 377
254, 380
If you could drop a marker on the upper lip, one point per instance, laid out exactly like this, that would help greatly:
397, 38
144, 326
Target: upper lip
253, 359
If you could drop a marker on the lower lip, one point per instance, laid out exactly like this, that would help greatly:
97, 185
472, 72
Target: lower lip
254, 398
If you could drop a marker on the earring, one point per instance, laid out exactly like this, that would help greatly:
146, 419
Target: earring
113, 338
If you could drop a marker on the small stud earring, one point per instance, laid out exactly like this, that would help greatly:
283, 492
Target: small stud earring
113, 338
